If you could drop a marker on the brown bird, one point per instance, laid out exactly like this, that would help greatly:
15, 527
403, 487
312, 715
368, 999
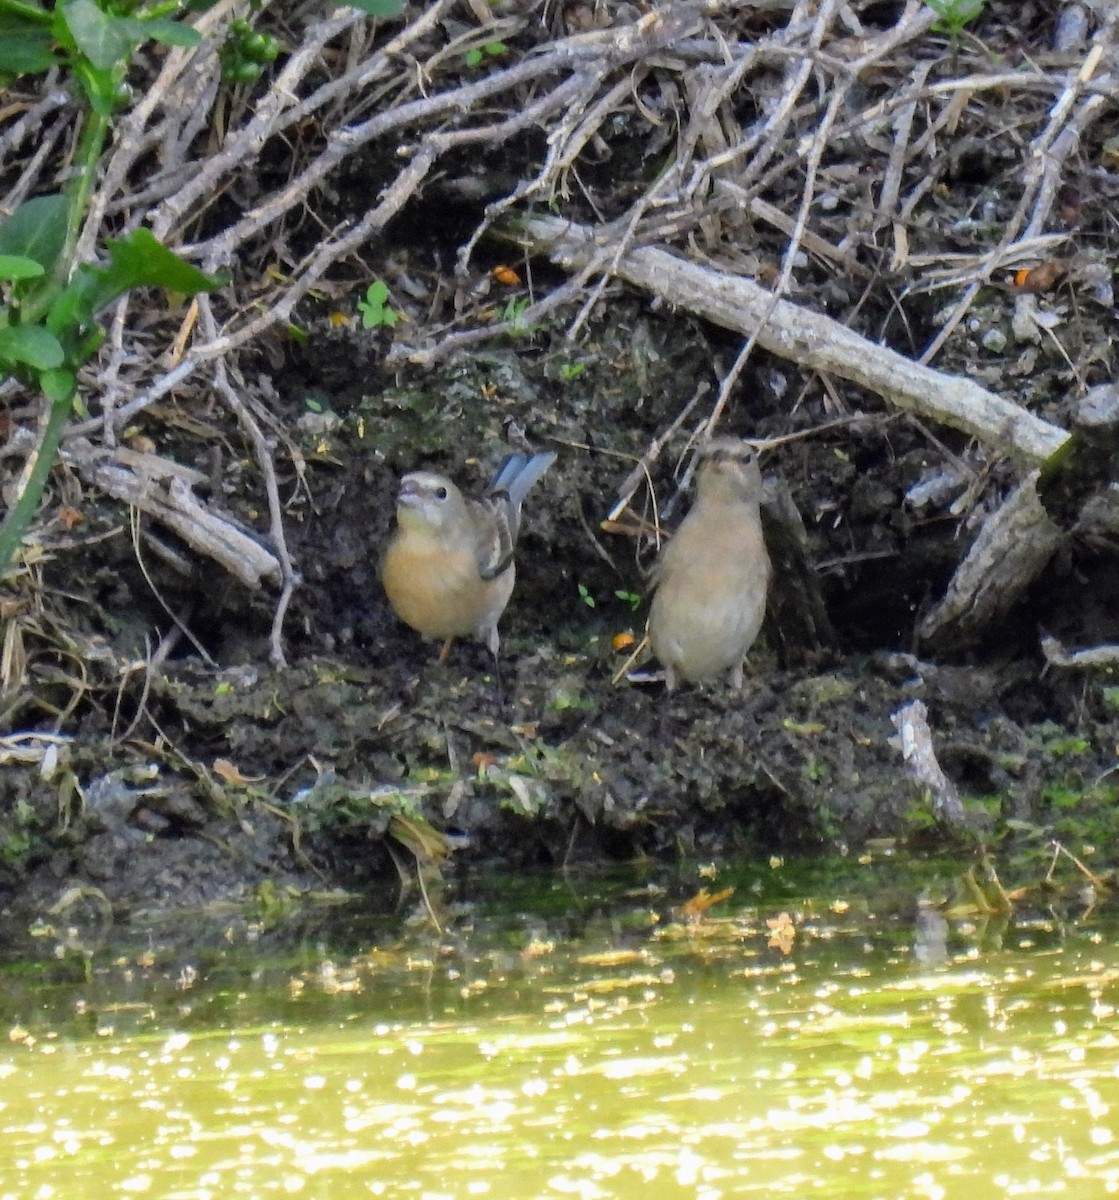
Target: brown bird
448, 570
711, 577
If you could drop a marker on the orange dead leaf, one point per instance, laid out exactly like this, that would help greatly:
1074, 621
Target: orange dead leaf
482, 760
69, 516
693, 909
506, 275
622, 641
1042, 278
228, 773
528, 729
339, 320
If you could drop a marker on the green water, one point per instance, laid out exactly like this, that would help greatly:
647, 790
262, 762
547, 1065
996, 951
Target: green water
590, 1046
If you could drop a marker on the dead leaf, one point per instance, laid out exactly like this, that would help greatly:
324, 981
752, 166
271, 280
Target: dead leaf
697, 906
228, 773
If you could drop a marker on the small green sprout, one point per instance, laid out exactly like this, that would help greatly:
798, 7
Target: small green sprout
374, 311
570, 371
585, 595
476, 56
514, 311
955, 14
633, 599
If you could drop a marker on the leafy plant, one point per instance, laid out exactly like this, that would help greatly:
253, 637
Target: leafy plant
514, 312
374, 310
955, 14
50, 303
478, 54
633, 599
585, 595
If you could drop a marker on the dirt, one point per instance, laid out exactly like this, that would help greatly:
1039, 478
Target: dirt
137, 780
366, 760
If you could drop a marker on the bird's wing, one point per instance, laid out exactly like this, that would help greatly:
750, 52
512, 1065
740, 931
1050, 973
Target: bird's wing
514, 478
495, 533
662, 564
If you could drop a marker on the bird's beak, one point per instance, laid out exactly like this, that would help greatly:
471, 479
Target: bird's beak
410, 495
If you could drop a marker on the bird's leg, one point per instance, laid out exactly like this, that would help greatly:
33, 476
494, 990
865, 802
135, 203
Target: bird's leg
494, 643
445, 651
736, 677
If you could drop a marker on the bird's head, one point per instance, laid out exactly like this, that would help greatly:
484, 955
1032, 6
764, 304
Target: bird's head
729, 471
429, 501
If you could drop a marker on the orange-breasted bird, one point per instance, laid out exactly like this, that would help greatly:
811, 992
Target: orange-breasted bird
712, 576
448, 570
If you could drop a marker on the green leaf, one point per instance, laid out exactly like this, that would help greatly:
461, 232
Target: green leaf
378, 8
36, 230
138, 260
19, 266
473, 57
24, 46
170, 33
141, 260
103, 39
58, 385
377, 293
31, 344
75, 305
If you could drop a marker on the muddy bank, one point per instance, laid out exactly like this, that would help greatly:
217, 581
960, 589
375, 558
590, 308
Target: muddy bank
365, 761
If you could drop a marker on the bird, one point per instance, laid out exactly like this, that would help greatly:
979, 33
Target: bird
448, 569
711, 577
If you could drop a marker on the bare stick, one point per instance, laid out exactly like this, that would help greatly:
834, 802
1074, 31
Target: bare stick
810, 339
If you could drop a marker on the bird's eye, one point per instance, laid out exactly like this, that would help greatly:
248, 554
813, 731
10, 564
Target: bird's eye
441, 493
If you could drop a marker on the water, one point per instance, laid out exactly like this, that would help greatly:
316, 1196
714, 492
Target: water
598, 1048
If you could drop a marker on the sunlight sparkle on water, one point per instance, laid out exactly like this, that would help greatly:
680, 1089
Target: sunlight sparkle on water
700, 1066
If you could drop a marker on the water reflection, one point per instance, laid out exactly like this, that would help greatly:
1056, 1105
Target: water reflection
857, 1047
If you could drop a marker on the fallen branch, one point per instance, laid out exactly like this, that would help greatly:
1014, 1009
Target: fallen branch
813, 341
1056, 655
162, 490
1012, 549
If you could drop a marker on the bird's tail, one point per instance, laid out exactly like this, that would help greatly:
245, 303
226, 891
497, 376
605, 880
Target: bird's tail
518, 473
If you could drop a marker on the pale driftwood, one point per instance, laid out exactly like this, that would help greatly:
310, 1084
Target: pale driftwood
1017, 542
804, 337
914, 740
1056, 655
1012, 549
162, 490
